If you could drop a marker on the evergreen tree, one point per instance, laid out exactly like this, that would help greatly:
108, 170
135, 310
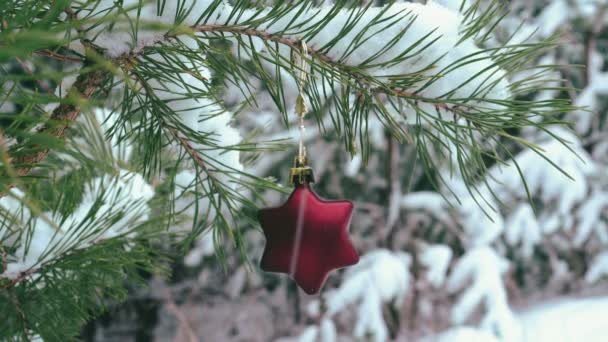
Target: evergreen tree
118, 152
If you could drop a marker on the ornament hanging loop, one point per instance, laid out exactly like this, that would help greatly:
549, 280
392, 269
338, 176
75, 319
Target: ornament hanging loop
301, 172
300, 103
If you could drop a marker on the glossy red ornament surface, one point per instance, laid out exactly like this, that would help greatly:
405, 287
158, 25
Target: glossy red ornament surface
320, 245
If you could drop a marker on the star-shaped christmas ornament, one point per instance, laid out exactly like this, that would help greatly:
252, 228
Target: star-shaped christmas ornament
307, 237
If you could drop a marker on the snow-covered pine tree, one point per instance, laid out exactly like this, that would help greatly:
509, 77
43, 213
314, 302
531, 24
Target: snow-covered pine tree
117, 150
480, 277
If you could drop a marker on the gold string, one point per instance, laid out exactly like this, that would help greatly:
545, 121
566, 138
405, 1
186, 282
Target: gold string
300, 103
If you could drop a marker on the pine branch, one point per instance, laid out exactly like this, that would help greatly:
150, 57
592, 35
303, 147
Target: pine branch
57, 56
83, 89
296, 45
358, 81
353, 75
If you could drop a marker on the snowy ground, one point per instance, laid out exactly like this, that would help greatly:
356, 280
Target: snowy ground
567, 320
564, 320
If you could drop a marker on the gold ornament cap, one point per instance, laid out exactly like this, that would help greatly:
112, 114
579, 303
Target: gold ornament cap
300, 172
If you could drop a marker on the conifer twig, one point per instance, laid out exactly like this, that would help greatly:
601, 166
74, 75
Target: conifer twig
57, 56
83, 89
296, 44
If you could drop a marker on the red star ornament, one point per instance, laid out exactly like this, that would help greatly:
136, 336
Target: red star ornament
320, 245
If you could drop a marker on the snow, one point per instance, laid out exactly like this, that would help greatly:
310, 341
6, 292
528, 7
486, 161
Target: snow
577, 319
105, 119
324, 332
203, 116
196, 112
45, 239
566, 320
598, 268
6, 107
32, 250
204, 246
94, 129
61, 90
128, 192
429, 17
11, 206
185, 205
381, 276
436, 259
588, 98
117, 39
372, 325
481, 220
600, 152
553, 17
483, 269
547, 181
462, 334
440, 22
125, 194
430, 201
523, 228
351, 169
589, 217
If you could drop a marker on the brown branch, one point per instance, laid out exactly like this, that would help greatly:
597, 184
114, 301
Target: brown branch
185, 143
412, 95
21, 277
4, 256
18, 307
296, 44
83, 89
54, 55
87, 84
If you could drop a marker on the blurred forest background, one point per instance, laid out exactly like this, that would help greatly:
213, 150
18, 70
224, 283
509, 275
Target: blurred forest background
432, 268
426, 265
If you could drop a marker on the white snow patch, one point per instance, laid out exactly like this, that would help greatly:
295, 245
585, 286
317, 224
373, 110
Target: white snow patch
589, 218
568, 320
43, 240
462, 334
381, 276
598, 268
523, 228
436, 258
483, 269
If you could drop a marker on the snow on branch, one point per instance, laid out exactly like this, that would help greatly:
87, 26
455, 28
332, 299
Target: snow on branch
436, 259
380, 277
111, 207
521, 227
483, 269
420, 42
598, 269
426, 64
565, 182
